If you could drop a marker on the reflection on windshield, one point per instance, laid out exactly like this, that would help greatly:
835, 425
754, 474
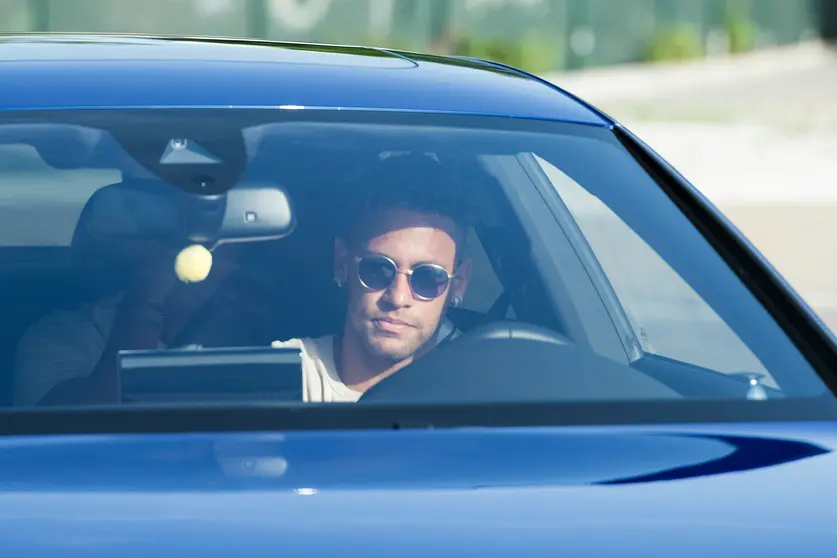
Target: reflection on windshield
313, 260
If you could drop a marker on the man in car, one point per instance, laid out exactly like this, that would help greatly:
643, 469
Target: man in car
399, 259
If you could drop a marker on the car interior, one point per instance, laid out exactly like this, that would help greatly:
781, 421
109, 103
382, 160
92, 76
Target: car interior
509, 318
291, 277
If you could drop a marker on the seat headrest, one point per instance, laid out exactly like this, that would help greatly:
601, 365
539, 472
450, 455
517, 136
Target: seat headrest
135, 208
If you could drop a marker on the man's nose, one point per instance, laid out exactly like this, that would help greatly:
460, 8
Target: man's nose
399, 293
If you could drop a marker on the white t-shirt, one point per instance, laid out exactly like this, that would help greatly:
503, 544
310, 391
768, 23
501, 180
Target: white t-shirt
321, 382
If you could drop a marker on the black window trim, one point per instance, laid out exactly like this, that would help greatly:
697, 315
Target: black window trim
185, 419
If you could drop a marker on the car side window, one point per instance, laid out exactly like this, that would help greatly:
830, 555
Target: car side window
668, 317
485, 286
26, 180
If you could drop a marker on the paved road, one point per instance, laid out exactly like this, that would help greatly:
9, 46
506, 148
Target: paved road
758, 135
793, 87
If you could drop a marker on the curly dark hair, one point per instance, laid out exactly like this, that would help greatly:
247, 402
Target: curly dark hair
415, 181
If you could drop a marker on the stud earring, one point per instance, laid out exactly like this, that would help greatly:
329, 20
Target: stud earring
456, 301
339, 282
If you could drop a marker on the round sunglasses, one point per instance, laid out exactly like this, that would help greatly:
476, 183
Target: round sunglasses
427, 280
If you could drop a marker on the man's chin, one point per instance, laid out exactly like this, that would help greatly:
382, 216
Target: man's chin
392, 349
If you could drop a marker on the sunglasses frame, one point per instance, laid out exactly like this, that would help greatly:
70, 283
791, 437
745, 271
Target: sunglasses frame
407, 272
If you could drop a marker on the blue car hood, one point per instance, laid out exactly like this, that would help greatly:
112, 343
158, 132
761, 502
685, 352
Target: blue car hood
584, 491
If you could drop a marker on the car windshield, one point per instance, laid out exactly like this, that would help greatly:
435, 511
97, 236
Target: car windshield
302, 257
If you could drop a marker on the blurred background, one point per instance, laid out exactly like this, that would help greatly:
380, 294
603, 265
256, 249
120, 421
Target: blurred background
538, 35
740, 95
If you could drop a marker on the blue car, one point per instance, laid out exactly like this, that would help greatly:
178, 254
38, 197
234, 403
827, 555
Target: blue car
276, 299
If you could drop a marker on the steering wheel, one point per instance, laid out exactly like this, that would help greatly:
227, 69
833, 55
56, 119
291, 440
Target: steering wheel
514, 362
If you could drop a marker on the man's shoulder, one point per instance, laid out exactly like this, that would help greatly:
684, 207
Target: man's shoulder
310, 345
290, 344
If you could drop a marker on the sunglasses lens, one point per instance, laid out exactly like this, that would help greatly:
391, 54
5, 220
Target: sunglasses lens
429, 281
376, 273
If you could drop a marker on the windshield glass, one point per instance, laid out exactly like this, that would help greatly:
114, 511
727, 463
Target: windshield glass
167, 257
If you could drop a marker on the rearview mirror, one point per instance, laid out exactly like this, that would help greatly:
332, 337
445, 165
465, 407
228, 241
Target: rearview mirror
142, 211
256, 213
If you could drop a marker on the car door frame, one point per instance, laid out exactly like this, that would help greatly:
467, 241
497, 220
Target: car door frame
575, 293
572, 230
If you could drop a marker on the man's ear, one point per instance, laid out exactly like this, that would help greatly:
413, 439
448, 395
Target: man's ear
463, 277
341, 261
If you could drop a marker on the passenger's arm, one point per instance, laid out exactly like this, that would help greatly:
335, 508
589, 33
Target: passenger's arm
138, 324
60, 347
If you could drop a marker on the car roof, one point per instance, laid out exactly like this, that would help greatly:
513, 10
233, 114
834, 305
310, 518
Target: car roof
49, 71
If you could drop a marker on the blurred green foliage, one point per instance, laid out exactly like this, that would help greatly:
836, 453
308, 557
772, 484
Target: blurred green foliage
531, 52
740, 29
675, 43
742, 35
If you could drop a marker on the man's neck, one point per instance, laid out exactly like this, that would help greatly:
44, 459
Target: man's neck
358, 370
